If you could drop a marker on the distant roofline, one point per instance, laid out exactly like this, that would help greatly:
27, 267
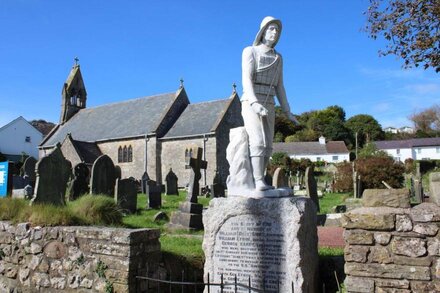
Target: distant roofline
16, 119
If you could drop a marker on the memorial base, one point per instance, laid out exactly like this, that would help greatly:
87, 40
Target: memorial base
188, 217
270, 241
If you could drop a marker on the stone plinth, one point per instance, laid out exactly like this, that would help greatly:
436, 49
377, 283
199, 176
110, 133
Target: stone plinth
188, 217
266, 239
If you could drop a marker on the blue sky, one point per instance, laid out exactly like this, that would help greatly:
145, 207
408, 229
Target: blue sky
130, 49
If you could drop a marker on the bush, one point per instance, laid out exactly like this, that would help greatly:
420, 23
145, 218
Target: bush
410, 166
374, 170
97, 210
344, 177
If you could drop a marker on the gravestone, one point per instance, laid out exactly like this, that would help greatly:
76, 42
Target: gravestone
144, 182
126, 194
171, 183
311, 187
103, 176
189, 215
218, 189
154, 196
19, 182
434, 187
53, 173
29, 169
417, 189
279, 178
78, 185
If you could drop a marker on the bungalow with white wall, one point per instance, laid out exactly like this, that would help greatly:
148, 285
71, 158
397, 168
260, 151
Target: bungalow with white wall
330, 152
416, 148
17, 137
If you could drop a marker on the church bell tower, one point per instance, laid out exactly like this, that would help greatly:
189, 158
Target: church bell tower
74, 95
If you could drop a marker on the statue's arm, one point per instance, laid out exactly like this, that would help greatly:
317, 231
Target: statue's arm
281, 94
248, 67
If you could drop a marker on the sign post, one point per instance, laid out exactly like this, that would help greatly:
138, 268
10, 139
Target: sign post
4, 178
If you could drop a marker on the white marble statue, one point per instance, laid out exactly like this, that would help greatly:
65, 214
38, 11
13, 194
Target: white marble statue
262, 73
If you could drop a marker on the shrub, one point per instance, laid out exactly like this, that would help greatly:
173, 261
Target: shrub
97, 209
344, 177
410, 166
374, 170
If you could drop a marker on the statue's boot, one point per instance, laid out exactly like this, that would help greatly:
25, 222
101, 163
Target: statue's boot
258, 167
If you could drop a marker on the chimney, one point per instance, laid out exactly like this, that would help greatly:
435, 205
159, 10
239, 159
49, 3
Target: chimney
322, 140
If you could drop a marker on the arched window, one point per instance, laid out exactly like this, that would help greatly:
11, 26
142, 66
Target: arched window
130, 154
190, 153
186, 153
120, 155
125, 154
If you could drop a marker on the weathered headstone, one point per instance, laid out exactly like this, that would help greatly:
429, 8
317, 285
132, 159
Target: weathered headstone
171, 183
19, 182
311, 188
189, 215
396, 198
144, 182
53, 172
218, 189
103, 176
78, 185
29, 169
279, 178
418, 190
154, 196
126, 194
160, 216
434, 187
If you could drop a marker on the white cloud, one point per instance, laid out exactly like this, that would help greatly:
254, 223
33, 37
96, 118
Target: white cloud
424, 88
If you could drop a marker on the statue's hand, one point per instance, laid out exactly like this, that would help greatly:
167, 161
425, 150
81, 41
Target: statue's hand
292, 118
259, 109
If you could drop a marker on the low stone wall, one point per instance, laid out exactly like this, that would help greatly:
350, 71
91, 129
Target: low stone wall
392, 249
67, 259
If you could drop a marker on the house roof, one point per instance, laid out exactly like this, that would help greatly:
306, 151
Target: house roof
200, 118
18, 119
311, 148
125, 119
408, 143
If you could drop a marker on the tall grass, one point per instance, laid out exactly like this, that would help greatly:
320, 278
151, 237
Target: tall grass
97, 210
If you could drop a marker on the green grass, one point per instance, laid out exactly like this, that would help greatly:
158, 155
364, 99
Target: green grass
330, 200
330, 251
186, 246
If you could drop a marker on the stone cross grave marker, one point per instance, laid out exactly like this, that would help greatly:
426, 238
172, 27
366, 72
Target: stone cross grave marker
195, 164
53, 172
126, 194
311, 187
218, 189
103, 176
171, 187
78, 185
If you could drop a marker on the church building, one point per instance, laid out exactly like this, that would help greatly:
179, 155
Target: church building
150, 134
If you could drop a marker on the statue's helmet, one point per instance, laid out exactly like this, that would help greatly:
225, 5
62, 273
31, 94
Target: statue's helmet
263, 26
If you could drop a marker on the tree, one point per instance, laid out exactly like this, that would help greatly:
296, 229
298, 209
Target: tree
370, 150
427, 120
283, 126
411, 28
42, 125
330, 123
367, 128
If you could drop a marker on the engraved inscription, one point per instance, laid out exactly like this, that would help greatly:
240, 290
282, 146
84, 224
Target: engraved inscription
248, 247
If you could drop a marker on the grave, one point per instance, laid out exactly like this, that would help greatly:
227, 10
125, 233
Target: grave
171, 183
417, 189
78, 185
217, 188
280, 179
434, 188
102, 180
126, 194
311, 187
189, 215
29, 169
154, 196
53, 173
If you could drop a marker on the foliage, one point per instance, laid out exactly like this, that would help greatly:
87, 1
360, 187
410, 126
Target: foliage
42, 125
97, 209
283, 126
278, 137
280, 159
10, 209
344, 177
411, 28
427, 121
367, 128
49, 215
370, 150
374, 170
410, 166
305, 134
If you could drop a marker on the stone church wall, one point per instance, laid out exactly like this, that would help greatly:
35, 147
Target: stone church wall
70, 153
173, 156
392, 249
136, 168
75, 259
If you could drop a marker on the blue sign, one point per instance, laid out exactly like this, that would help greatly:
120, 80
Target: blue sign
3, 178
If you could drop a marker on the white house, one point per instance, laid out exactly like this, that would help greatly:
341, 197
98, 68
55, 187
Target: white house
330, 152
19, 136
391, 129
406, 129
416, 149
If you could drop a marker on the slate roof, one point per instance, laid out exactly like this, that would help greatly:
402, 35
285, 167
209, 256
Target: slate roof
88, 151
408, 143
310, 148
125, 119
198, 119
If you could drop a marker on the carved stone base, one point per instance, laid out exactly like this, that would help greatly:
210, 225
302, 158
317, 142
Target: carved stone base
279, 192
265, 240
188, 217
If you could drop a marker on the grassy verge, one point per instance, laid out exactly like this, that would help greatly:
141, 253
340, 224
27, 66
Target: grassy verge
330, 200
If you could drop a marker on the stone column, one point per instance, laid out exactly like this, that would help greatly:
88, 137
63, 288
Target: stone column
269, 240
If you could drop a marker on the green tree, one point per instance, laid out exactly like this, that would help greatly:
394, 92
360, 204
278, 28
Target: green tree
367, 128
370, 150
283, 126
411, 28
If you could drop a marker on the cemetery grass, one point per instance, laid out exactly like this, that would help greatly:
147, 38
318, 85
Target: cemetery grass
330, 200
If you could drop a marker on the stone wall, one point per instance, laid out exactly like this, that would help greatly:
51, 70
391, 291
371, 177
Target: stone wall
173, 156
392, 249
72, 259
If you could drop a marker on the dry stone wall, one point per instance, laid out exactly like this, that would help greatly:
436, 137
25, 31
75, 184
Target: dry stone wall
392, 249
74, 259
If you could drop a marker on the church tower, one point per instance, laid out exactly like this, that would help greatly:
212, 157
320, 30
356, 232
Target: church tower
74, 95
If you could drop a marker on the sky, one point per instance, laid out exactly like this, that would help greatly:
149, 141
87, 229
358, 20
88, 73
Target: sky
131, 49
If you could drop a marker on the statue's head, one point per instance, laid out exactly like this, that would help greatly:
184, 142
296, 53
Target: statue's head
269, 27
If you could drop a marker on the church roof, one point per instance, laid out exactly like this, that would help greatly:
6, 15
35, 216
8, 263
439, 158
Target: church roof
200, 118
88, 151
132, 118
